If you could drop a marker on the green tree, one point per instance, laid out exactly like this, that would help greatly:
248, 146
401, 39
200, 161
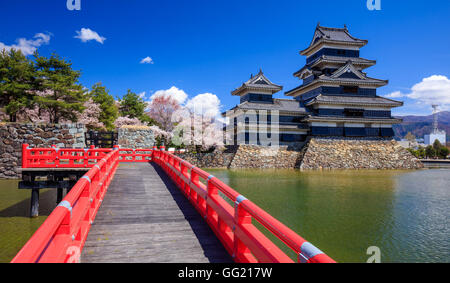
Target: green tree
437, 146
133, 106
430, 152
109, 113
444, 152
421, 152
17, 78
62, 95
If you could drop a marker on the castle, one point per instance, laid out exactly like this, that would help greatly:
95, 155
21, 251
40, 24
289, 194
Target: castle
336, 98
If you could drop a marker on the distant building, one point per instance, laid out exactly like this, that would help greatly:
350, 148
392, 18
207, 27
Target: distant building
440, 136
336, 99
436, 134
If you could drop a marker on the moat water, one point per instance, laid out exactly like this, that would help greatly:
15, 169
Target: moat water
404, 213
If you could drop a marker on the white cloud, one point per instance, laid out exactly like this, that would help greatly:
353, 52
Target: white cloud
177, 94
86, 34
28, 46
142, 94
147, 60
395, 94
206, 104
432, 90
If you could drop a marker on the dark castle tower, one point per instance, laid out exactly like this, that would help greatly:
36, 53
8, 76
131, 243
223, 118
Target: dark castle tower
339, 96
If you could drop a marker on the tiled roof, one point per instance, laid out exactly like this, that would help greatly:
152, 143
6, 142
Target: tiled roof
357, 100
339, 34
353, 119
357, 61
333, 35
260, 81
288, 105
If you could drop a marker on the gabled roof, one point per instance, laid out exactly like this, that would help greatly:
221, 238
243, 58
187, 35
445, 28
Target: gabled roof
259, 82
347, 69
335, 61
304, 72
333, 35
358, 79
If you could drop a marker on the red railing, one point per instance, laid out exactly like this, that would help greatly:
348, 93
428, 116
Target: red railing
77, 158
234, 225
62, 236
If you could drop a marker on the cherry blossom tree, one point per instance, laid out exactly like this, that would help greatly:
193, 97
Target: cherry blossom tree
202, 131
161, 109
90, 116
127, 121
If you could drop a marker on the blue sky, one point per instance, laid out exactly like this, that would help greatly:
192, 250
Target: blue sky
211, 46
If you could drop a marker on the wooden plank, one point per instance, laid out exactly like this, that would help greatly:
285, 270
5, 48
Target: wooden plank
145, 218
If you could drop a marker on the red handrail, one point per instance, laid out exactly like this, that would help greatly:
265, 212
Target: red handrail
62, 236
77, 158
233, 225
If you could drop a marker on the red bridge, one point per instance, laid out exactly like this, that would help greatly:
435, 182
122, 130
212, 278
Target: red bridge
149, 205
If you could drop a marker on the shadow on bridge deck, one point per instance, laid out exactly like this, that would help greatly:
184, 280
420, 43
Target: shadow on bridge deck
145, 218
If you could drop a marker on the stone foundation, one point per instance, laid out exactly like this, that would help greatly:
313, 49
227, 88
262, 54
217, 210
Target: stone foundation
208, 160
13, 135
354, 153
245, 156
258, 157
136, 137
318, 153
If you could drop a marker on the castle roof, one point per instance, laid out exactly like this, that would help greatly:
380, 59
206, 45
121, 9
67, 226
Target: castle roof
257, 83
345, 75
282, 105
354, 101
341, 36
389, 121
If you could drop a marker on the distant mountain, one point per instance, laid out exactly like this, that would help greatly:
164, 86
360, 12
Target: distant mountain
422, 125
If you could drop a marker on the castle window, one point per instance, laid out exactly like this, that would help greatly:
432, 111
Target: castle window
350, 89
354, 113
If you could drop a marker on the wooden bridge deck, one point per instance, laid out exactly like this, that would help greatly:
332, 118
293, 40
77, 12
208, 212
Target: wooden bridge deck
145, 218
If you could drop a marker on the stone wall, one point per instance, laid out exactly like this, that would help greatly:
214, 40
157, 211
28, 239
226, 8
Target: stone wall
245, 156
136, 137
318, 153
258, 157
13, 135
354, 153
208, 160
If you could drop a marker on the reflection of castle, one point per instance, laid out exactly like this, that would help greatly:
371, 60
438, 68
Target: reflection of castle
337, 98
436, 134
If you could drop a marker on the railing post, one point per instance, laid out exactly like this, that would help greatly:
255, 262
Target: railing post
241, 217
154, 149
212, 192
195, 181
25, 155
116, 147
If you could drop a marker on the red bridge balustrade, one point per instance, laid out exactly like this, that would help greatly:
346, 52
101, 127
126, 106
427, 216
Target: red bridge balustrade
61, 237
